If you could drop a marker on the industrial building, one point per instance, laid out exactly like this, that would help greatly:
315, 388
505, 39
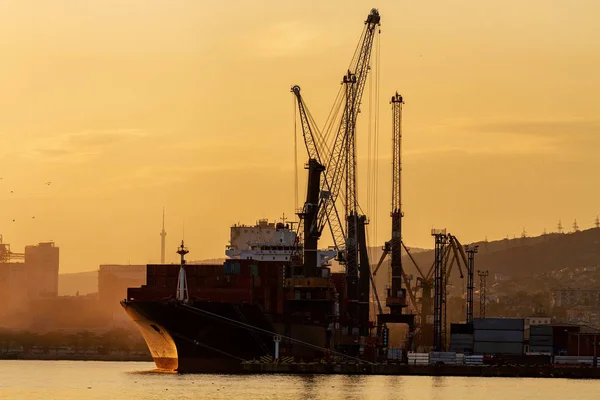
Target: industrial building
113, 281
28, 276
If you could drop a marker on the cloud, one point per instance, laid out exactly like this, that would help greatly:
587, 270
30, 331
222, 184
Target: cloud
80, 146
548, 128
564, 137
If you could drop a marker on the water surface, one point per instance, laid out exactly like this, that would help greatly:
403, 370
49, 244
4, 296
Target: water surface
82, 380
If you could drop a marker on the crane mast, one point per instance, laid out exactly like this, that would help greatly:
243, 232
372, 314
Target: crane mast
396, 299
339, 160
358, 269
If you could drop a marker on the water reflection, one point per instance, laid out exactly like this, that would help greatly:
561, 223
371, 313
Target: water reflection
72, 380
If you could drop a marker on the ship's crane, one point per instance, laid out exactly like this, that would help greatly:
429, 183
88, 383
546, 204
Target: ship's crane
339, 160
339, 156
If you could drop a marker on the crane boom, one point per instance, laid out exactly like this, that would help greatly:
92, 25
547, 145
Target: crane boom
316, 149
340, 160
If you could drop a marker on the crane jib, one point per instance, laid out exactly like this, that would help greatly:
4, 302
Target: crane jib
339, 159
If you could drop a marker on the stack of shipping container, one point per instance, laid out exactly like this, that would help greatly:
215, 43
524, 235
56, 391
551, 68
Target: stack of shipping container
461, 338
498, 336
541, 339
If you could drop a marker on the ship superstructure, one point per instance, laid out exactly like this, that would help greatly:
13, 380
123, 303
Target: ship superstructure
269, 241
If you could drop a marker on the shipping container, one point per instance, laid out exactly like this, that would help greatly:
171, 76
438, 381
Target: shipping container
448, 358
474, 360
461, 329
540, 349
507, 324
498, 336
541, 341
574, 360
462, 343
462, 348
498, 348
540, 330
461, 337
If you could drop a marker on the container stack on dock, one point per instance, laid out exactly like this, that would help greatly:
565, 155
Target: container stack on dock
474, 360
442, 358
541, 339
498, 336
394, 354
461, 338
574, 360
418, 358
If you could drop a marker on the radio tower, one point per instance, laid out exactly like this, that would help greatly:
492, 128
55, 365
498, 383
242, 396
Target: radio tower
575, 226
559, 226
163, 235
482, 289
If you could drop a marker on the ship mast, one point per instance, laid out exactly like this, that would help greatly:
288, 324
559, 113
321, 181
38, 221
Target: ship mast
182, 288
163, 235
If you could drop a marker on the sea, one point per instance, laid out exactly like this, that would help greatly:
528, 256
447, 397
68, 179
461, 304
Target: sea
82, 380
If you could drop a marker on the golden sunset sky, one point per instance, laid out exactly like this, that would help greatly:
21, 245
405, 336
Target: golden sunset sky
127, 106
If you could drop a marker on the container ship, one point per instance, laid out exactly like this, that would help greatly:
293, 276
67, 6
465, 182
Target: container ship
275, 296
211, 318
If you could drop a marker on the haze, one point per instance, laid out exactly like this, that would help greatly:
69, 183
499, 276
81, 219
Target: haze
129, 106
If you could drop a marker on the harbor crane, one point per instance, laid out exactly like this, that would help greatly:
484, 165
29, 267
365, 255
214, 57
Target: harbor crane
336, 157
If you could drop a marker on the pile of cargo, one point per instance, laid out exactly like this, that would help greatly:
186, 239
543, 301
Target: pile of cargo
498, 336
474, 360
541, 339
574, 360
418, 358
394, 354
442, 358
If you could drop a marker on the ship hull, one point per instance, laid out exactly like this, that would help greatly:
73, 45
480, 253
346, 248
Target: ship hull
204, 336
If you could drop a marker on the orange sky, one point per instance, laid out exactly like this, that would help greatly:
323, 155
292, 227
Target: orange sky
129, 105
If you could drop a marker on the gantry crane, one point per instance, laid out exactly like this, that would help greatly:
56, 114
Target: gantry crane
452, 252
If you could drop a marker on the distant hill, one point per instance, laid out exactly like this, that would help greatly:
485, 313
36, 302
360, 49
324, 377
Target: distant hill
82, 282
524, 257
87, 282
521, 257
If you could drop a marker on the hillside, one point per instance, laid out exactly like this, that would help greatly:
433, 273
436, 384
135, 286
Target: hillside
82, 282
524, 257
87, 282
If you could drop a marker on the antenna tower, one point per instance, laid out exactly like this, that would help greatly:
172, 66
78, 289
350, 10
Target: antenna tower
575, 226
